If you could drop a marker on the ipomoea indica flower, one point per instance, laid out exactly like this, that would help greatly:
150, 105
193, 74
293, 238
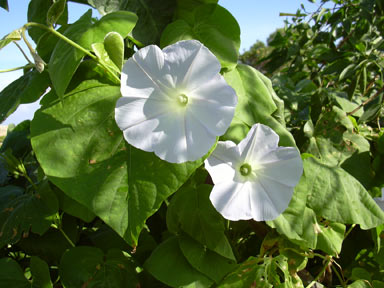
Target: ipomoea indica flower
175, 103
254, 179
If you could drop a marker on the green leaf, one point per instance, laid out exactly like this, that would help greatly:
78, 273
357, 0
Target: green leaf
65, 58
11, 274
13, 36
114, 45
40, 273
168, 264
38, 11
96, 167
85, 266
255, 105
192, 212
185, 8
74, 208
4, 4
18, 140
360, 284
27, 89
102, 54
337, 196
330, 237
204, 260
291, 222
153, 16
248, 274
337, 143
55, 11
213, 26
21, 212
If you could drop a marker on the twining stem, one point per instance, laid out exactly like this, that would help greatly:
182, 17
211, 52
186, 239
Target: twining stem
70, 42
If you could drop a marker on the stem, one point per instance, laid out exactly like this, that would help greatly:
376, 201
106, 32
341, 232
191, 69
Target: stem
17, 68
349, 231
22, 51
66, 237
321, 273
367, 101
72, 43
30, 181
339, 276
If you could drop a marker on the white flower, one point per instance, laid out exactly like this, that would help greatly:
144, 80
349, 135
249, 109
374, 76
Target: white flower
255, 179
175, 103
380, 200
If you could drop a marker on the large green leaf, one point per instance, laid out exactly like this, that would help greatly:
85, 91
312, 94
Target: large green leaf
95, 166
85, 266
40, 273
248, 274
213, 26
336, 142
255, 105
336, 195
38, 11
65, 58
168, 264
153, 15
191, 211
11, 274
21, 212
204, 260
27, 89
291, 222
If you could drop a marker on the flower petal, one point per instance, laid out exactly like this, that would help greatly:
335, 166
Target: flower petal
231, 199
269, 199
145, 73
214, 105
260, 140
283, 165
191, 63
131, 111
222, 161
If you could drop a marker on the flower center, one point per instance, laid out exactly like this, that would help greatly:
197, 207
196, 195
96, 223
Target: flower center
182, 99
245, 169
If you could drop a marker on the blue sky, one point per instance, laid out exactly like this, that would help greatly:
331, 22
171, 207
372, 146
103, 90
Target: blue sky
257, 20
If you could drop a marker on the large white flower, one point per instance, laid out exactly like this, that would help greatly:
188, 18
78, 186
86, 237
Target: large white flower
175, 103
255, 179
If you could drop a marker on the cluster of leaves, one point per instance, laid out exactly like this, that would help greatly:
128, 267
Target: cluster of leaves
79, 207
327, 66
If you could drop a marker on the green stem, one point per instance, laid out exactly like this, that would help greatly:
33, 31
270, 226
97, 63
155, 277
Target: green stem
30, 181
349, 231
72, 43
321, 273
339, 276
66, 237
17, 68
22, 52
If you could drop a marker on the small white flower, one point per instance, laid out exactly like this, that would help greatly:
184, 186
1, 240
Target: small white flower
380, 200
255, 179
175, 103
